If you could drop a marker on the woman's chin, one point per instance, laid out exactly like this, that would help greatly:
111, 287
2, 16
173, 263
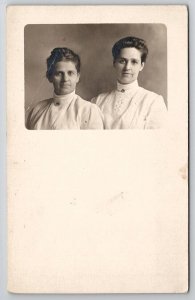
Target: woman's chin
63, 92
125, 81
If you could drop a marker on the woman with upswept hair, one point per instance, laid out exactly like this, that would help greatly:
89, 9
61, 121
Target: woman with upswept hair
130, 106
65, 110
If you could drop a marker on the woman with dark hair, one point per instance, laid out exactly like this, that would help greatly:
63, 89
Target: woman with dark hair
65, 110
129, 105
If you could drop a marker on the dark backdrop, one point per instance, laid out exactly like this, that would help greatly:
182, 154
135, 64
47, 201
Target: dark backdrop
93, 42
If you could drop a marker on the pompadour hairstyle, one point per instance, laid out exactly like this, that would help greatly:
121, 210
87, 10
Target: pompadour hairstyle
130, 42
61, 54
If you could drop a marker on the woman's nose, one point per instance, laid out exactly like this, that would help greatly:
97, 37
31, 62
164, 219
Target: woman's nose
128, 65
64, 77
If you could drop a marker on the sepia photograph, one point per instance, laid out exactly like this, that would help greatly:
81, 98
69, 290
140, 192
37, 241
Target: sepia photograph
95, 76
105, 210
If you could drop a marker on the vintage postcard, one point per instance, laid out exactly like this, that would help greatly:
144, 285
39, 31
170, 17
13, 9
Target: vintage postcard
97, 149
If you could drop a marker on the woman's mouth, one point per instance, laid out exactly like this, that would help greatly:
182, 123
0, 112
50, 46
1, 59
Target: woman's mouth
126, 73
64, 85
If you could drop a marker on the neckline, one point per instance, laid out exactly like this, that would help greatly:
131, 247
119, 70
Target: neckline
62, 99
127, 88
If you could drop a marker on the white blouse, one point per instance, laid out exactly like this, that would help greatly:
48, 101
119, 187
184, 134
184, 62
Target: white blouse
131, 106
65, 112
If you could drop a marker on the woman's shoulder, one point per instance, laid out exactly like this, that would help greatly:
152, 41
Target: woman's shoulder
41, 104
101, 97
36, 107
35, 110
87, 108
82, 103
149, 94
90, 114
151, 100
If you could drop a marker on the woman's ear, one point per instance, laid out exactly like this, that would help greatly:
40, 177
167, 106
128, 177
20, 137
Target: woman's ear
78, 77
142, 66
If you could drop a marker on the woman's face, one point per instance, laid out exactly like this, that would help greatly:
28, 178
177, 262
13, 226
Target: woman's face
128, 65
65, 77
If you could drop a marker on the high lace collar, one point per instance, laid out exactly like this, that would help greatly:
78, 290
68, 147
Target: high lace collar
62, 99
127, 88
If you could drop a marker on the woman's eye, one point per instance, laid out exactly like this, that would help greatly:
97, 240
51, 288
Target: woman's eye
121, 61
